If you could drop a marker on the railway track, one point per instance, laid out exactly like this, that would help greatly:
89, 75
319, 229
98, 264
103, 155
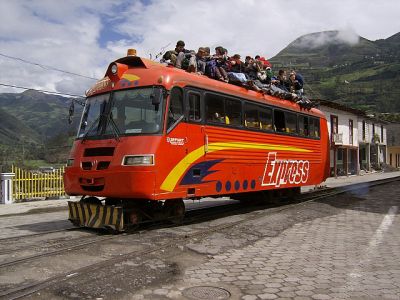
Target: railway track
36, 234
198, 216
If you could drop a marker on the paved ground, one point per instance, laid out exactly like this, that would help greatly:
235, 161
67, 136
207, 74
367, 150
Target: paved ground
20, 208
353, 253
345, 247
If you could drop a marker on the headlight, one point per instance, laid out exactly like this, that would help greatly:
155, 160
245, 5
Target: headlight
114, 69
70, 162
139, 160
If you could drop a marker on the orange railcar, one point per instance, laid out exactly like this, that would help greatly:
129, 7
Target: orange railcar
150, 133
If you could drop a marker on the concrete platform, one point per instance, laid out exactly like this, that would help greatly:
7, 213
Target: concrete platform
51, 205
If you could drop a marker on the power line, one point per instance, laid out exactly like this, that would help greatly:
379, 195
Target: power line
44, 91
46, 67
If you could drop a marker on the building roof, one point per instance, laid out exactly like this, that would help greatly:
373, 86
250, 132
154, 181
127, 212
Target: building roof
343, 107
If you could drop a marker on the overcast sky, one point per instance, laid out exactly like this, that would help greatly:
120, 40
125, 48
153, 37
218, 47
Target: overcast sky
84, 36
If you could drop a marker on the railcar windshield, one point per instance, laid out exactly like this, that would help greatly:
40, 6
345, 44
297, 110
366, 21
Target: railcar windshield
126, 112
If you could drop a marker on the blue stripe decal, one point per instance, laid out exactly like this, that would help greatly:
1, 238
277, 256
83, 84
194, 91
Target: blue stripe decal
197, 173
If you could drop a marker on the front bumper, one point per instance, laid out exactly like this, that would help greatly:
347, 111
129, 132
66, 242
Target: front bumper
96, 215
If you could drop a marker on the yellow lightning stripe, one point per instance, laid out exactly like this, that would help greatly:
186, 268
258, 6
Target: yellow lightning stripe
176, 173
130, 77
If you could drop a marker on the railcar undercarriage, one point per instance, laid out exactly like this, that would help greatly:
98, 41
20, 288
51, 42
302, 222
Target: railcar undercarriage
123, 214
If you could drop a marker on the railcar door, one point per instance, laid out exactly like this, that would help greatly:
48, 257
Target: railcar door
195, 140
174, 148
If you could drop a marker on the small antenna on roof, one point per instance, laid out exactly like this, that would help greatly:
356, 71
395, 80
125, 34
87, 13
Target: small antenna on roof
162, 51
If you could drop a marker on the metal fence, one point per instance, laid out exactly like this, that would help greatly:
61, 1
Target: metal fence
28, 184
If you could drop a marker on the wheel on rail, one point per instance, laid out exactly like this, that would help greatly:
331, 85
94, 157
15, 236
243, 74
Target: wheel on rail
175, 210
135, 218
267, 197
293, 193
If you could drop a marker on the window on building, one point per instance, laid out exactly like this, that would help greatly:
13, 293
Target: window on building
363, 130
351, 132
334, 126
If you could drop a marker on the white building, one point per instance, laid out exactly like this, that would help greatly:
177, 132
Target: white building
358, 142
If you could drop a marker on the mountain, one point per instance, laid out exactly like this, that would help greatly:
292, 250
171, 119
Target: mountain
46, 114
31, 121
343, 67
14, 131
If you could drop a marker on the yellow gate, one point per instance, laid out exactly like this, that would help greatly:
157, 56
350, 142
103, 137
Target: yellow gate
28, 184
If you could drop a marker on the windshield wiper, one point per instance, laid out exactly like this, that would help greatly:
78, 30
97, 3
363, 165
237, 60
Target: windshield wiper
90, 128
115, 129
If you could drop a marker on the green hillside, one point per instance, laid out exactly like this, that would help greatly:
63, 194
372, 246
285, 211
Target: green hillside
362, 74
45, 114
13, 131
34, 125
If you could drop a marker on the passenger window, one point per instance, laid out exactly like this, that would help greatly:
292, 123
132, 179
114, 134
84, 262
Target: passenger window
265, 115
215, 108
233, 109
291, 122
175, 110
194, 107
314, 128
251, 119
303, 126
279, 121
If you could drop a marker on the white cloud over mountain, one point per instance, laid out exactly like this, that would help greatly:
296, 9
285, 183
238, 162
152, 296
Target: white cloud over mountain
83, 36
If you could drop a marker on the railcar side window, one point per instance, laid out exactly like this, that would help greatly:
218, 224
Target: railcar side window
215, 109
314, 128
290, 122
258, 117
303, 125
265, 115
251, 119
194, 107
279, 121
175, 110
233, 111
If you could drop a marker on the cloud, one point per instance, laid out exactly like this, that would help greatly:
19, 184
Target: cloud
78, 35
319, 39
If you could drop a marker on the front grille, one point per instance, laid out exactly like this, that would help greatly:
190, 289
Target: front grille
86, 165
100, 151
102, 165
90, 188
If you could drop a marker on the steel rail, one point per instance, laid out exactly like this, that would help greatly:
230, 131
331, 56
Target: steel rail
29, 289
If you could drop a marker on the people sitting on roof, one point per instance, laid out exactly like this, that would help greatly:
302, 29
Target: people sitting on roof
255, 74
217, 64
294, 85
181, 58
300, 81
201, 59
236, 70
